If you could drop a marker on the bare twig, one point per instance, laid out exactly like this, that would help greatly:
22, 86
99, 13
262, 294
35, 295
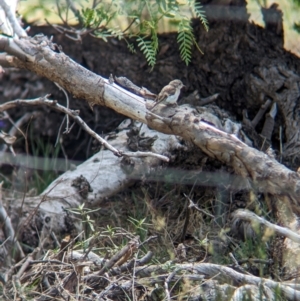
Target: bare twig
27, 262
223, 272
207, 100
75, 11
68, 244
59, 131
121, 256
280, 144
193, 205
268, 128
60, 13
8, 228
74, 114
129, 85
17, 29
260, 113
133, 263
31, 215
166, 284
237, 265
68, 32
139, 154
130, 24
16, 125
252, 217
68, 107
147, 240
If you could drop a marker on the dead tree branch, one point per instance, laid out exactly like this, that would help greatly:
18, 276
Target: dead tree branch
75, 115
253, 218
263, 172
11, 17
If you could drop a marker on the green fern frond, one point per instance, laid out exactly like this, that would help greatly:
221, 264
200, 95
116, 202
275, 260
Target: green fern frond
154, 39
92, 18
169, 8
185, 39
116, 32
148, 49
162, 4
144, 17
131, 47
201, 14
104, 15
108, 33
199, 11
88, 15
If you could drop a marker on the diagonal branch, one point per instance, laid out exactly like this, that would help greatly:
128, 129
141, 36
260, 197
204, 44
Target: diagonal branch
265, 173
75, 115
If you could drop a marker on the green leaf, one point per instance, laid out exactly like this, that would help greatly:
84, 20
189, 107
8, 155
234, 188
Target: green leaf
185, 39
143, 18
199, 12
88, 16
131, 47
149, 50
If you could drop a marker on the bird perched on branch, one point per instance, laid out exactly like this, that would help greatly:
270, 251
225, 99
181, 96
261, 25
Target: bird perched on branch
170, 93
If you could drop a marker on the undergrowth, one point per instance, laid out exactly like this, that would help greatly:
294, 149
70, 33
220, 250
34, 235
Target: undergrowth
139, 20
161, 220
45, 165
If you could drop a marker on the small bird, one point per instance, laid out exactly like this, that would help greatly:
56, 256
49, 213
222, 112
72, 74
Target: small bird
170, 93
